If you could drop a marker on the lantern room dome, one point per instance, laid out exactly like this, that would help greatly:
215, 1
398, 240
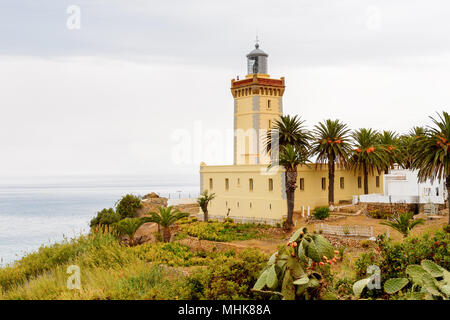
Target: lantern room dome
257, 61
257, 52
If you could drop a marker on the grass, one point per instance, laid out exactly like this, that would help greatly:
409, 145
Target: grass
112, 271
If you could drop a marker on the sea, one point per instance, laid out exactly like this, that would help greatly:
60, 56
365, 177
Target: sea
45, 210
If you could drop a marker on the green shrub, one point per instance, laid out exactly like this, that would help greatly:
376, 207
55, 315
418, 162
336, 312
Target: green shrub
226, 277
366, 243
365, 260
378, 214
128, 205
223, 231
321, 213
397, 256
173, 254
447, 228
105, 217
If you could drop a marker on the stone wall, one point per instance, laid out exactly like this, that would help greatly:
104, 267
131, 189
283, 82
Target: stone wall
191, 208
393, 207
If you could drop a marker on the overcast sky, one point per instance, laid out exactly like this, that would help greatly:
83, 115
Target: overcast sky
114, 96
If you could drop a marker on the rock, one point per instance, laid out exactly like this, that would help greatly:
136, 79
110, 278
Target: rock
149, 205
151, 195
145, 233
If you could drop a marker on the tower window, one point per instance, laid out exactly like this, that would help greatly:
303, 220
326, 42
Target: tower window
359, 183
270, 184
239, 182
250, 205
377, 181
227, 184
324, 183
270, 124
341, 182
210, 183
268, 104
250, 184
302, 183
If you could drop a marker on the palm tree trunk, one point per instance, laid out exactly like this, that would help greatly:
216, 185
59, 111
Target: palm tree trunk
331, 168
366, 179
291, 180
447, 184
205, 214
166, 234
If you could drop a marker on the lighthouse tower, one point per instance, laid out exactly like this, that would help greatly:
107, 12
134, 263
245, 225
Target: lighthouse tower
257, 104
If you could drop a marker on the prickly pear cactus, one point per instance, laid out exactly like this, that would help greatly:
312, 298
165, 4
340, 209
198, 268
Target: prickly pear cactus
394, 285
294, 270
428, 281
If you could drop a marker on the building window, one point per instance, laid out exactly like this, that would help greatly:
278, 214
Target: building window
268, 104
238, 204
377, 181
270, 206
359, 183
302, 184
270, 124
270, 184
239, 182
210, 183
250, 184
341, 182
250, 205
227, 184
324, 183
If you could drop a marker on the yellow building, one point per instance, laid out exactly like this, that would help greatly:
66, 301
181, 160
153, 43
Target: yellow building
249, 190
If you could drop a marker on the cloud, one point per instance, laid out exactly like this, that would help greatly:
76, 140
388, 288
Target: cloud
107, 98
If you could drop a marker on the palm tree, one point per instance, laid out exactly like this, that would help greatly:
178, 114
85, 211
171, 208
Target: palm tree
403, 223
417, 131
331, 145
128, 227
291, 131
165, 218
432, 153
389, 140
203, 202
406, 150
407, 146
293, 142
290, 159
368, 155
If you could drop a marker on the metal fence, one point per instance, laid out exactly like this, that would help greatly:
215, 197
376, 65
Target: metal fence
179, 195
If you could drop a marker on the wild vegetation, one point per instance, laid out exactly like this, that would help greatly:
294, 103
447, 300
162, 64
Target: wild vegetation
364, 150
114, 265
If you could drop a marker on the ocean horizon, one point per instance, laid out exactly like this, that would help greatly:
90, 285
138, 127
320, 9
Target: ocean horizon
46, 210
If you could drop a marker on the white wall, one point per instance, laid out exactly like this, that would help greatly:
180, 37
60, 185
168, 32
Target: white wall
403, 186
